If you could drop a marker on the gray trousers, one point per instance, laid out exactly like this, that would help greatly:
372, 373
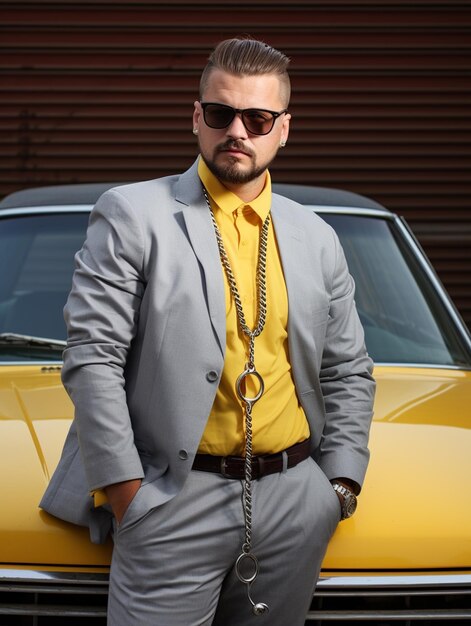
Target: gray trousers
174, 566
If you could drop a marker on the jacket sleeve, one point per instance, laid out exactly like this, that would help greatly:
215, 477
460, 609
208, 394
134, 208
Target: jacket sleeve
346, 381
101, 316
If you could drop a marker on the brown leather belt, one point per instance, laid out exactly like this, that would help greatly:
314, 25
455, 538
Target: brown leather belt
262, 465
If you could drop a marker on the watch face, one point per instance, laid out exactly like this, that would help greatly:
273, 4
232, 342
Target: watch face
350, 505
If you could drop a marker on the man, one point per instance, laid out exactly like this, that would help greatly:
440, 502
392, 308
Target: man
222, 391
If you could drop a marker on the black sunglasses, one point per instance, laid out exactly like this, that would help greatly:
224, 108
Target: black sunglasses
256, 121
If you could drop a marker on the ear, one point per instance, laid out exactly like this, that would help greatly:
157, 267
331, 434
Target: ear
197, 112
285, 127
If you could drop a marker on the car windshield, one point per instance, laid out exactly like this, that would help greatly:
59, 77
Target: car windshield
36, 261
404, 319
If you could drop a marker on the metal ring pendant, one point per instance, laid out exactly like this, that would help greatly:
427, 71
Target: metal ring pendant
250, 371
249, 560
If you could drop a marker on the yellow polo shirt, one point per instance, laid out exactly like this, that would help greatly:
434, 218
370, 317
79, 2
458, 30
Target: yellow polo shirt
278, 419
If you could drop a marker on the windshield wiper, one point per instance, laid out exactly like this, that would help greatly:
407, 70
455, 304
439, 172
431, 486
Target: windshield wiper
25, 341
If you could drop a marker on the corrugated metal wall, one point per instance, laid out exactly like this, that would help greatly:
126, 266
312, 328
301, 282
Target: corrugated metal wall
103, 90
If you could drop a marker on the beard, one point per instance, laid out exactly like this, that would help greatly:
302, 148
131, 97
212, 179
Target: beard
230, 172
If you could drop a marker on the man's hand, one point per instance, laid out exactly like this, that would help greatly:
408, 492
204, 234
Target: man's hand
120, 495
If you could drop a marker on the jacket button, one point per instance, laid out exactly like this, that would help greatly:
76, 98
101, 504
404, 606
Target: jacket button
183, 454
212, 376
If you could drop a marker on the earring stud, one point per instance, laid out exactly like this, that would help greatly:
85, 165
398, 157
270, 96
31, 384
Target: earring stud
195, 131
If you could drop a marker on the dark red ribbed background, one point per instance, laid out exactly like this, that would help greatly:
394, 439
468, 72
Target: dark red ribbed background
103, 90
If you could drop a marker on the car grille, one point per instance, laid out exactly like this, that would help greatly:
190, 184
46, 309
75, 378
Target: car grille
29, 598
390, 601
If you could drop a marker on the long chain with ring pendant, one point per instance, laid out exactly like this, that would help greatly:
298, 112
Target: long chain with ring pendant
247, 560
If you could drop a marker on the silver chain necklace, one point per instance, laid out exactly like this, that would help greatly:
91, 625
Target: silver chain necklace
247, 561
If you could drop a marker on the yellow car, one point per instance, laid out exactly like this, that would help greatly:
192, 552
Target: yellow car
404, 557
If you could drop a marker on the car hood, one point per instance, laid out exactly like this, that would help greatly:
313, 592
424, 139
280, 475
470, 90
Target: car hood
35, 415
412, 512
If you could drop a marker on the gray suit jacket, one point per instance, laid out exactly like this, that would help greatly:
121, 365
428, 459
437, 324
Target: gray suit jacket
146, 322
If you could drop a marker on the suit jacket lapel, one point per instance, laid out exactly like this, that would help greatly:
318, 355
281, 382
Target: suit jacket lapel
293, 250
203, 241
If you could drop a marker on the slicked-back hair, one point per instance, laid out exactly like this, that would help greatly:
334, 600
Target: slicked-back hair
248, 57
